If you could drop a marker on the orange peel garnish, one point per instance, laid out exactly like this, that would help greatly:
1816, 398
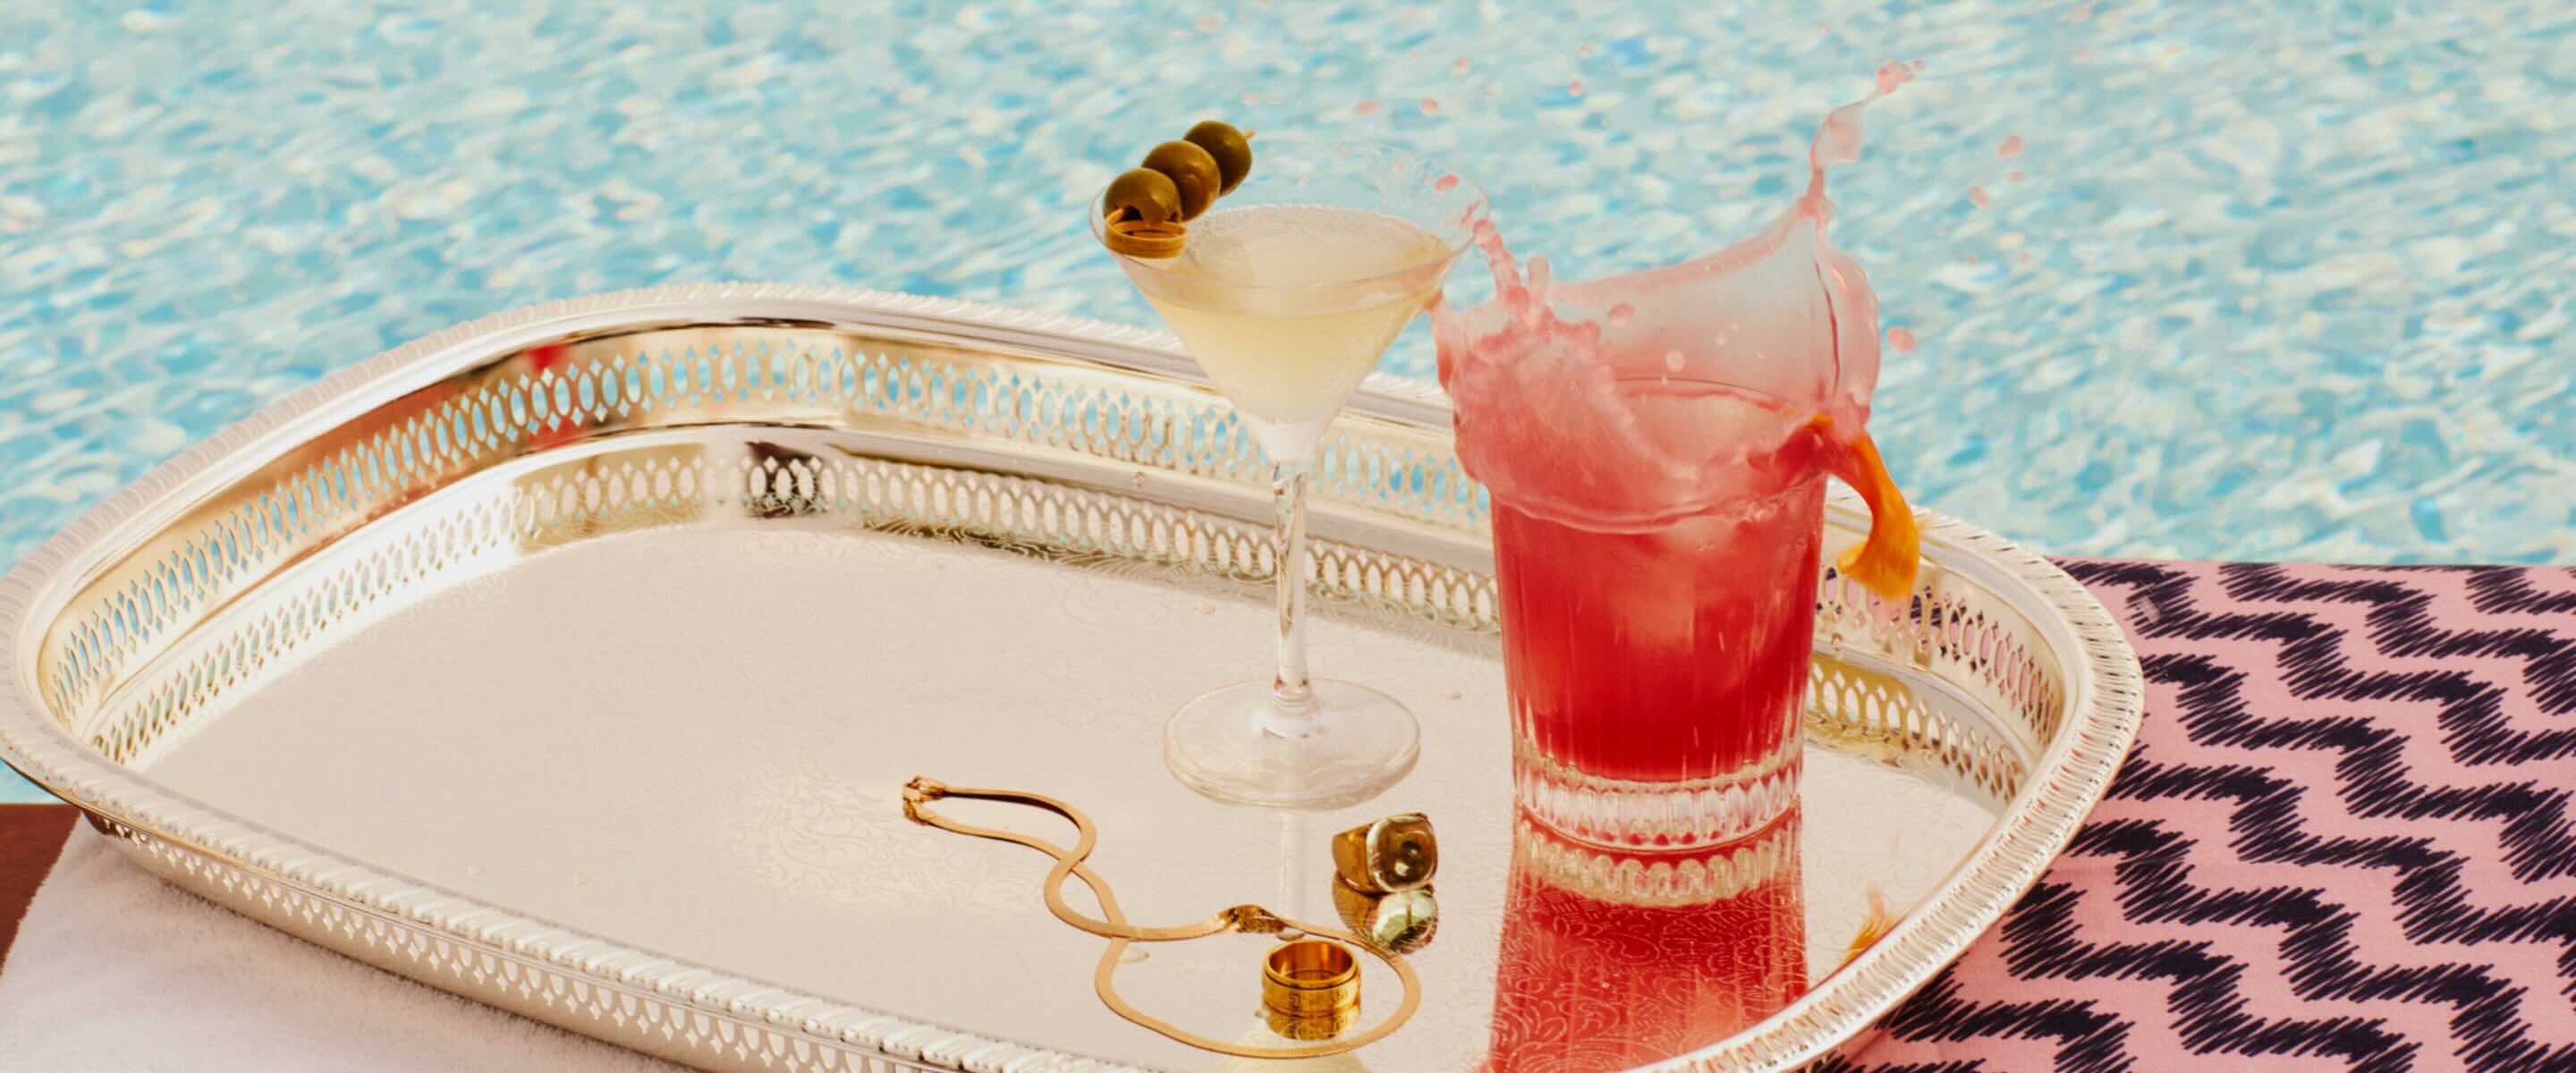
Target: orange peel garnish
1886, 562
1873, 927
1137, 238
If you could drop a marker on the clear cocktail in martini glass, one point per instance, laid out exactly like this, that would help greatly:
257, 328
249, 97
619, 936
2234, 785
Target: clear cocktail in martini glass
1286, 292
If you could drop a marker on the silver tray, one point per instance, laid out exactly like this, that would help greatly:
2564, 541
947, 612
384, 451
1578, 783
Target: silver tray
572, 660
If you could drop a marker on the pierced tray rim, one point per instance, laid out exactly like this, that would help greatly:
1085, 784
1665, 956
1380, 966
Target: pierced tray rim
2104, 700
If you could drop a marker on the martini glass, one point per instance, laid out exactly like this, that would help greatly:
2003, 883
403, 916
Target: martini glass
1286, 293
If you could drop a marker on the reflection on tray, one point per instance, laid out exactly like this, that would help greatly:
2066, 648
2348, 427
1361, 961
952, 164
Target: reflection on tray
606, 509
1611, 960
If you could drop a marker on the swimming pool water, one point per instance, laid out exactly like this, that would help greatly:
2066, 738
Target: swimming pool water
2274, 280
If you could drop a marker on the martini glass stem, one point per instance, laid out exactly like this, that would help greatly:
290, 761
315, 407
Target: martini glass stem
1292, 713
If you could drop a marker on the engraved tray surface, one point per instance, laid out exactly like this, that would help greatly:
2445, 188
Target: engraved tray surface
571, 660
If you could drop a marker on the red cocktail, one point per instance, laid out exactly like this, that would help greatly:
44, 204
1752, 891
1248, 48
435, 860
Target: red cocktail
1695, 633
1657, 671
1656, 447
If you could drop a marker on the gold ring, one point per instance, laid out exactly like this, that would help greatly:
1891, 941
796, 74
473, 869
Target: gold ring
1310, 1029
1310, 978
1393, 854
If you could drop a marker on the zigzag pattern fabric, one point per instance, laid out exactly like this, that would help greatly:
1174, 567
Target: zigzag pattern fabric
2342, 842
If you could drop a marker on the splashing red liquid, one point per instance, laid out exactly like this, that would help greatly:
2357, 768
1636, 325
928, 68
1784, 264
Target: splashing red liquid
1782, 315
1656, 445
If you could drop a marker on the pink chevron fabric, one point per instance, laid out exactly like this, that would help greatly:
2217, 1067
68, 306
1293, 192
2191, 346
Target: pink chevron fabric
2341, 843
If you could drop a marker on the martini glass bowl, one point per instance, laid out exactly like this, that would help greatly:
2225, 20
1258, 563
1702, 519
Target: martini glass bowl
1286, 293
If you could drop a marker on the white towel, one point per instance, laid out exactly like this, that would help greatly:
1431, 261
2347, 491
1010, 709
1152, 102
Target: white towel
115, 971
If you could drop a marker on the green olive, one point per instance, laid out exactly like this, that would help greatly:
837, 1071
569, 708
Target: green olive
1148, 194
1230, 147
1192, 170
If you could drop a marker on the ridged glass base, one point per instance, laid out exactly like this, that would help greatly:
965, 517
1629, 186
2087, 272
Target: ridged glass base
1680, 815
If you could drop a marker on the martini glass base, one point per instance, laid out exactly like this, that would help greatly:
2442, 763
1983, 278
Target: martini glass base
1229, 745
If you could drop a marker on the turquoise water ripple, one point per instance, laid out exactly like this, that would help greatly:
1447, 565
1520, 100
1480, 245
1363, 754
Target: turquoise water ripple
2282, 281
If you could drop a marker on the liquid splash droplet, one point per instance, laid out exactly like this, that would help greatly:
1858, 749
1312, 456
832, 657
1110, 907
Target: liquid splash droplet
1672, 361
1575, 87
1430, 107
1837, 140
1585, 52
1209, 24
1459, 65
1366, 108
1972, 258
2010, 148
1902, 339
2015, 176
1977, 196
1445, 184
1621, 314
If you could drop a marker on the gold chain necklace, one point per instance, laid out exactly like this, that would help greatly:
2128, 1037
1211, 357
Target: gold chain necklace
1114, 926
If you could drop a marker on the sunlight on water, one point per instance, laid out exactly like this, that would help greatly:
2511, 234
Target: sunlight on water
2266, 281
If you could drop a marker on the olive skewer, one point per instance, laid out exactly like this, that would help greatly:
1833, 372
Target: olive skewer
1148, 207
